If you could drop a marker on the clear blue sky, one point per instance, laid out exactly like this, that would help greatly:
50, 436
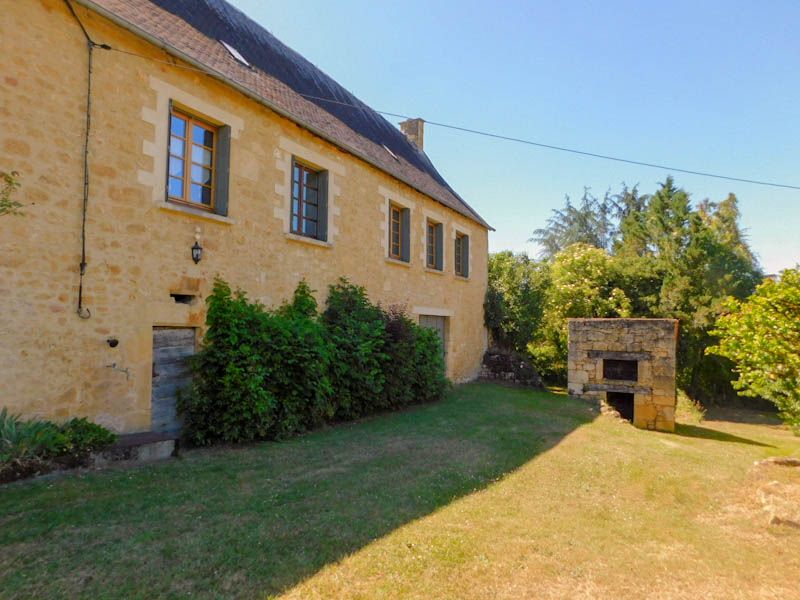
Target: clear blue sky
704, 85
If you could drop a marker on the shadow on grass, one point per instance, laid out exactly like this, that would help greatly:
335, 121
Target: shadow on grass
748, 416
712, 434
254, 521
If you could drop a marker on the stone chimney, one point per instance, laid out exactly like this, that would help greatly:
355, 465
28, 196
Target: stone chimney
414, 130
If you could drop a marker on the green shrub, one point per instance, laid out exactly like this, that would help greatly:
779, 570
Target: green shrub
414, 369
9, 185
269, 374
228, 400
22, 440
32, 446
81, 436
398, 370
356, 331
298, 357
260, 374
429, 381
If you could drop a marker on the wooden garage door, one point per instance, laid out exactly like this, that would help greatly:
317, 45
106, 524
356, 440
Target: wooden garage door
172, 346
440, 325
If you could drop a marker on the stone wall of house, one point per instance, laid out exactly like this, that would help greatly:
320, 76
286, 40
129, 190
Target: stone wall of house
650, 342
57, 365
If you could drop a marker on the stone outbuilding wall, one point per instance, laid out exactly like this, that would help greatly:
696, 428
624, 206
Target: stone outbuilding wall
628, 365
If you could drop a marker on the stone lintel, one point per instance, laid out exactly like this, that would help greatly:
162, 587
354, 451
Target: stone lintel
631, 388
610, 354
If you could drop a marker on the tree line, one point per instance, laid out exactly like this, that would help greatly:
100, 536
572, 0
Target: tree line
628, 254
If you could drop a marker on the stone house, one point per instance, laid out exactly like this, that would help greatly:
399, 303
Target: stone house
213, 150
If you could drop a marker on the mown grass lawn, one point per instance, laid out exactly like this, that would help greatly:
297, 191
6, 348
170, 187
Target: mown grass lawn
492, 493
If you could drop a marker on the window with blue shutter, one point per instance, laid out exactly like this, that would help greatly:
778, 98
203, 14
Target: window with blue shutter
434, 234
461, 255
198, 162
399, 233
309, 209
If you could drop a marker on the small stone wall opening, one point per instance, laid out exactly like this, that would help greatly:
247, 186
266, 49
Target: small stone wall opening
183, 298
622, 402
621, 370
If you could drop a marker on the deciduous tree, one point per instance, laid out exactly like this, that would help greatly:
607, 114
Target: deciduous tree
761, 335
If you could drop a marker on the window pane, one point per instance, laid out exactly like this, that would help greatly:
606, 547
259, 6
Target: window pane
175, 166
201, 175
296, 190
294, 224
201, 195
175, 187
202, 136
296, 174
176, 146
197, 193
310, 178
178, 126
311, 196
295, 206
310, 211
310, 228
201, 156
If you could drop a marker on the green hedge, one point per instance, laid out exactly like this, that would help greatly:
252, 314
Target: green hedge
356, 332
261, 374
30, 446
268, 374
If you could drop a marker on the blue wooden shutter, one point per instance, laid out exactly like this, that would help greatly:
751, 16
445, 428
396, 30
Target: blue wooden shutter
166, 158
438, 242
405, 241
322, 209
223, 170
465, 256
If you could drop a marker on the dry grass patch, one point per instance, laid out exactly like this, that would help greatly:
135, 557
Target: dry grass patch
610, 512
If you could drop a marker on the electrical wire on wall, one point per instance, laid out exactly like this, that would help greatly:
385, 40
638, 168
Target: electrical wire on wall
84, 312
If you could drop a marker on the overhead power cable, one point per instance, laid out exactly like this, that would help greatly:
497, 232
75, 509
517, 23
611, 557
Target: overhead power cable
498, 136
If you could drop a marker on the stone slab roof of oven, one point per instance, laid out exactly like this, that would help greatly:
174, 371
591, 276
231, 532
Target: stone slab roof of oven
276, 75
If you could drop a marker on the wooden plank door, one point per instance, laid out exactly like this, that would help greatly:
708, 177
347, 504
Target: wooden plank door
172, 347
439, 324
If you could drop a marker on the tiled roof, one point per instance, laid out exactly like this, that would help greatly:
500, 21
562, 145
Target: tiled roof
283, 80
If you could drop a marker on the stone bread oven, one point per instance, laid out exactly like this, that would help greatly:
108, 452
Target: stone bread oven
628, 365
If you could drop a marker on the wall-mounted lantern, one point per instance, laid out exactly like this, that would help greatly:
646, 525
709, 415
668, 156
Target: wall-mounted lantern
197, 252
197, 249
